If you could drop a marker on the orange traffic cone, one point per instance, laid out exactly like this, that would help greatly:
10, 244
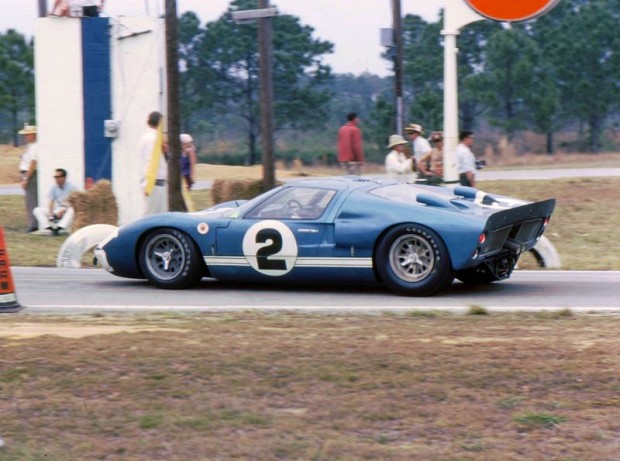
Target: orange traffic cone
8, 298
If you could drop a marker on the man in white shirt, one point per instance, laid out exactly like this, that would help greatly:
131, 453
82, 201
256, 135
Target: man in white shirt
58, 216
419, 144
399, 163
157, 198
466, 161
28, 174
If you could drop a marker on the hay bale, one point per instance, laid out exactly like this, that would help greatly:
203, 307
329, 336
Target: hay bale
97, 205
224, 190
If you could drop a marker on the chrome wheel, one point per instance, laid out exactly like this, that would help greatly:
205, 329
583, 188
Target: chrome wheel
411, 258
165, 257
169, 258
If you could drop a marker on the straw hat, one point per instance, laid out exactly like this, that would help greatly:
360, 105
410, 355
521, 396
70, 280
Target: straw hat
28, 129
413, 128
395, 140
186, 138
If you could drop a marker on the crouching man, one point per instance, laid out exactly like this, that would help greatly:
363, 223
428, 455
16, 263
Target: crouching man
58, 216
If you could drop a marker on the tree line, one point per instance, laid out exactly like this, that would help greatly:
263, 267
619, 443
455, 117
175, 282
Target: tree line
555, 74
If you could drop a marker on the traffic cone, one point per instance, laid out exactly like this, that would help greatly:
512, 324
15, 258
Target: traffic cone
8, 298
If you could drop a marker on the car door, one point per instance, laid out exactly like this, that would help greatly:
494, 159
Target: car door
280, 237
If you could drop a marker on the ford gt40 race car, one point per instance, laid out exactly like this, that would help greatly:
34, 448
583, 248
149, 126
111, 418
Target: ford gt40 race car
413, 238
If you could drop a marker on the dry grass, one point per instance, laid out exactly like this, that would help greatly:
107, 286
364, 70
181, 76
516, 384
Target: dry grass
302, 387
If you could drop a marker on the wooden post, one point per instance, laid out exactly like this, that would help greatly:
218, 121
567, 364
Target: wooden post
175, 198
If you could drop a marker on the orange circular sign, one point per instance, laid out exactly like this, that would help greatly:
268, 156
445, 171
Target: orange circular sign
511, 10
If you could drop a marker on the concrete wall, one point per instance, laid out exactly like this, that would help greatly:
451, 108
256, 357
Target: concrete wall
138, 88
88, 71
59, 102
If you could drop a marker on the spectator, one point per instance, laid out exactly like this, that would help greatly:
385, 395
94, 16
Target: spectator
398, 163
28, 174
350, 151
465, 159
58, 216
419, 145
188, 159
431, 163
154, 167
78, 8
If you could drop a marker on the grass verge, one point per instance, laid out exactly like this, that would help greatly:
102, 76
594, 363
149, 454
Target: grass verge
291, 386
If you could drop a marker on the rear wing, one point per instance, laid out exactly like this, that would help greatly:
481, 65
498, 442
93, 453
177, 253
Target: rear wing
517, 229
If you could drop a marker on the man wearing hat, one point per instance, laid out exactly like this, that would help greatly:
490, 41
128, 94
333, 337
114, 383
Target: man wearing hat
28, 174
398, 163
419, 145
188, 159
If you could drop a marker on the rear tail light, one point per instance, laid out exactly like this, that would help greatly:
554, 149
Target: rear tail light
482, 238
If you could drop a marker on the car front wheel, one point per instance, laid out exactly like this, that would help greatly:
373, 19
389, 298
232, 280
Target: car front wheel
170, 259
412, 260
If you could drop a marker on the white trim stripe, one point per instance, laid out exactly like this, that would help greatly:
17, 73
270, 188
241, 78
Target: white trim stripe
226, 261
299, 262
334, 262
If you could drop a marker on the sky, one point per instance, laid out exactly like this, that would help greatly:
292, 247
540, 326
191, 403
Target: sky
353, 26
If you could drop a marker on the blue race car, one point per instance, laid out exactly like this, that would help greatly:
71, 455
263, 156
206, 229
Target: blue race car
413, 238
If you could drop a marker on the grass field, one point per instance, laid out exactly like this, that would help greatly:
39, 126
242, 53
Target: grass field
248, 386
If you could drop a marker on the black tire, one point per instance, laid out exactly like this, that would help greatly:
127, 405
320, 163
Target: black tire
412, 260
170, 259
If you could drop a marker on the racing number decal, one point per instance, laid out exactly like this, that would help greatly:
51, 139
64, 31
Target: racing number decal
270, 248
263, 254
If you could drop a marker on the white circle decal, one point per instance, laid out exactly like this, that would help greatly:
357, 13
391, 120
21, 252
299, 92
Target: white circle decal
270, 248
203, 228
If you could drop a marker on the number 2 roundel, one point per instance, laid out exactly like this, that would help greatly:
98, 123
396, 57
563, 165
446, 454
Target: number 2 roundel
511, 10
270, 248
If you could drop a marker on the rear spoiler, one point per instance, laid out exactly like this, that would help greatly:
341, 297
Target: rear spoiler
517, 229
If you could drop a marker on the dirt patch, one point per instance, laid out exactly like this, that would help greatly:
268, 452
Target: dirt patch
69, 330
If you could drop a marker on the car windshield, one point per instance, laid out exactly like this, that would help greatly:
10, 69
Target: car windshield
293, 203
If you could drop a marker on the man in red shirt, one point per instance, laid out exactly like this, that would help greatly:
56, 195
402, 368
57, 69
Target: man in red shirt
350, 151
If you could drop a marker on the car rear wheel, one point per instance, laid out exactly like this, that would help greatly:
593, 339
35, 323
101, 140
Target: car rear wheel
170, 259
412, 260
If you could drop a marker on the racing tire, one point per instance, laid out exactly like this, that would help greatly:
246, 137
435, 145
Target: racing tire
412, 260
170, 259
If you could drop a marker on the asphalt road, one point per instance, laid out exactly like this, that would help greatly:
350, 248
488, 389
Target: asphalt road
77, 291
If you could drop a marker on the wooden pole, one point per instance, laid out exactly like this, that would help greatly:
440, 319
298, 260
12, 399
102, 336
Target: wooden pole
175, 198
398, 65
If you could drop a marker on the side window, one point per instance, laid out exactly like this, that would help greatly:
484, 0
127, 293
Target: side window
294, 203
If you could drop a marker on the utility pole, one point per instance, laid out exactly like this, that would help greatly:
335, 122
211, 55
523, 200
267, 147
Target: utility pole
266, 96
175, 198
397, 27
42, 8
